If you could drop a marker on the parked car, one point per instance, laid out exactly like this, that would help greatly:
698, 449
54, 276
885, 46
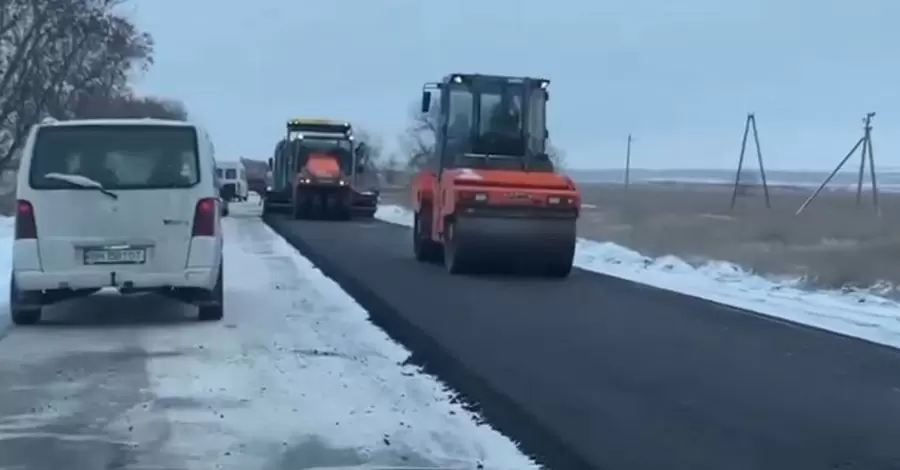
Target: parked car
124, 204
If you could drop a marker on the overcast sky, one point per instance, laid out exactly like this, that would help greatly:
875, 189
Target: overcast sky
679, 74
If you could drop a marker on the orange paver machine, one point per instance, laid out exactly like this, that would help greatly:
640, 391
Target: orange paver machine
319, 170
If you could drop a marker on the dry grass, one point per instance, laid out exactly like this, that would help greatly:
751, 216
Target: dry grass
833, 243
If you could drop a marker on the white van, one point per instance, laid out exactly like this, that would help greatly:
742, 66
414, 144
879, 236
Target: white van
129, 204
232, 180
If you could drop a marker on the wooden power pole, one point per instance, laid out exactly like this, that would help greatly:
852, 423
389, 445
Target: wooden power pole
864, 142
750, 124
628, 162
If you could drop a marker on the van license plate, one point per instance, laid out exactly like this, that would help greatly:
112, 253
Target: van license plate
129, 256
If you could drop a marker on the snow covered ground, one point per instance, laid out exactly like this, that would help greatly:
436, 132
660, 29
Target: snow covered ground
857, 313
295, 376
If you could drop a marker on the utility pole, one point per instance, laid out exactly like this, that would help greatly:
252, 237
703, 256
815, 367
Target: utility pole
864, 142
628, 162
750, 124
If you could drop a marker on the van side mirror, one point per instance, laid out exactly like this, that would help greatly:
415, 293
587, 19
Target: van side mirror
426, 101
270, 163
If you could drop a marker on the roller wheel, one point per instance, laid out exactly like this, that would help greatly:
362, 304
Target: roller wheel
425, 249
558, 269
559, 261
454, 258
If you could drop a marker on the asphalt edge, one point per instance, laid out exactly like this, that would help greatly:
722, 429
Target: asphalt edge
473, 392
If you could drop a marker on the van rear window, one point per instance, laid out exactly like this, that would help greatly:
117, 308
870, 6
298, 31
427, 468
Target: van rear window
231, 174
116, 156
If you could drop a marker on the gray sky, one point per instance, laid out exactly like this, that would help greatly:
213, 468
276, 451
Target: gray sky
679, 74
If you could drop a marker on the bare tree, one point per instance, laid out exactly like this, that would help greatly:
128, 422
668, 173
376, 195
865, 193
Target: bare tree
69, 59
557, 156
392, 168
129, 106
373, 147
43, 46
417, 142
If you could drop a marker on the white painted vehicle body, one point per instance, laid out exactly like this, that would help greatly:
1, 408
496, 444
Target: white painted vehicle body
231, 172
151, 222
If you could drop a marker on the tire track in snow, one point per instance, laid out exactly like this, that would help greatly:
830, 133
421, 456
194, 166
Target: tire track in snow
75, 390
297, 377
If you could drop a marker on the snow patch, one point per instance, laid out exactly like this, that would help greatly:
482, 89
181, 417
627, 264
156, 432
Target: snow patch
296, 372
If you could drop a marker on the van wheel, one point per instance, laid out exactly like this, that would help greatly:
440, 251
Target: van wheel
215, 309
24, 306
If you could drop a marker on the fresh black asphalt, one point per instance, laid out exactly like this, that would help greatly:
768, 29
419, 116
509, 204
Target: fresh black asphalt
597, 372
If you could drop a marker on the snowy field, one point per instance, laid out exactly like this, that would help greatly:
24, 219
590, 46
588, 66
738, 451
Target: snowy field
295, 371
862, 314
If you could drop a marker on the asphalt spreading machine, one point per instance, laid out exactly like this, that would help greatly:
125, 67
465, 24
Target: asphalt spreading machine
489, 196
320, 170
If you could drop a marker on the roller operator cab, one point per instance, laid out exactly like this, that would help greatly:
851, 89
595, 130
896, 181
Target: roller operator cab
489, 196
126, 204
319, 170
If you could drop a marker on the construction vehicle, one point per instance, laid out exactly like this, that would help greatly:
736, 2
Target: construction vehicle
257, 175
319, 170
489, 197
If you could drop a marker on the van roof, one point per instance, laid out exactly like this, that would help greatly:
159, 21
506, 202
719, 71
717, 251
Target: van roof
229, 164
117, 122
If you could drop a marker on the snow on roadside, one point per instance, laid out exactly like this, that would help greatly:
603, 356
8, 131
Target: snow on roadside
857, 313
296, 376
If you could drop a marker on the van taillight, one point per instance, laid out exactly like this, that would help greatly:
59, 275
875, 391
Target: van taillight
26, 228
205, 218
